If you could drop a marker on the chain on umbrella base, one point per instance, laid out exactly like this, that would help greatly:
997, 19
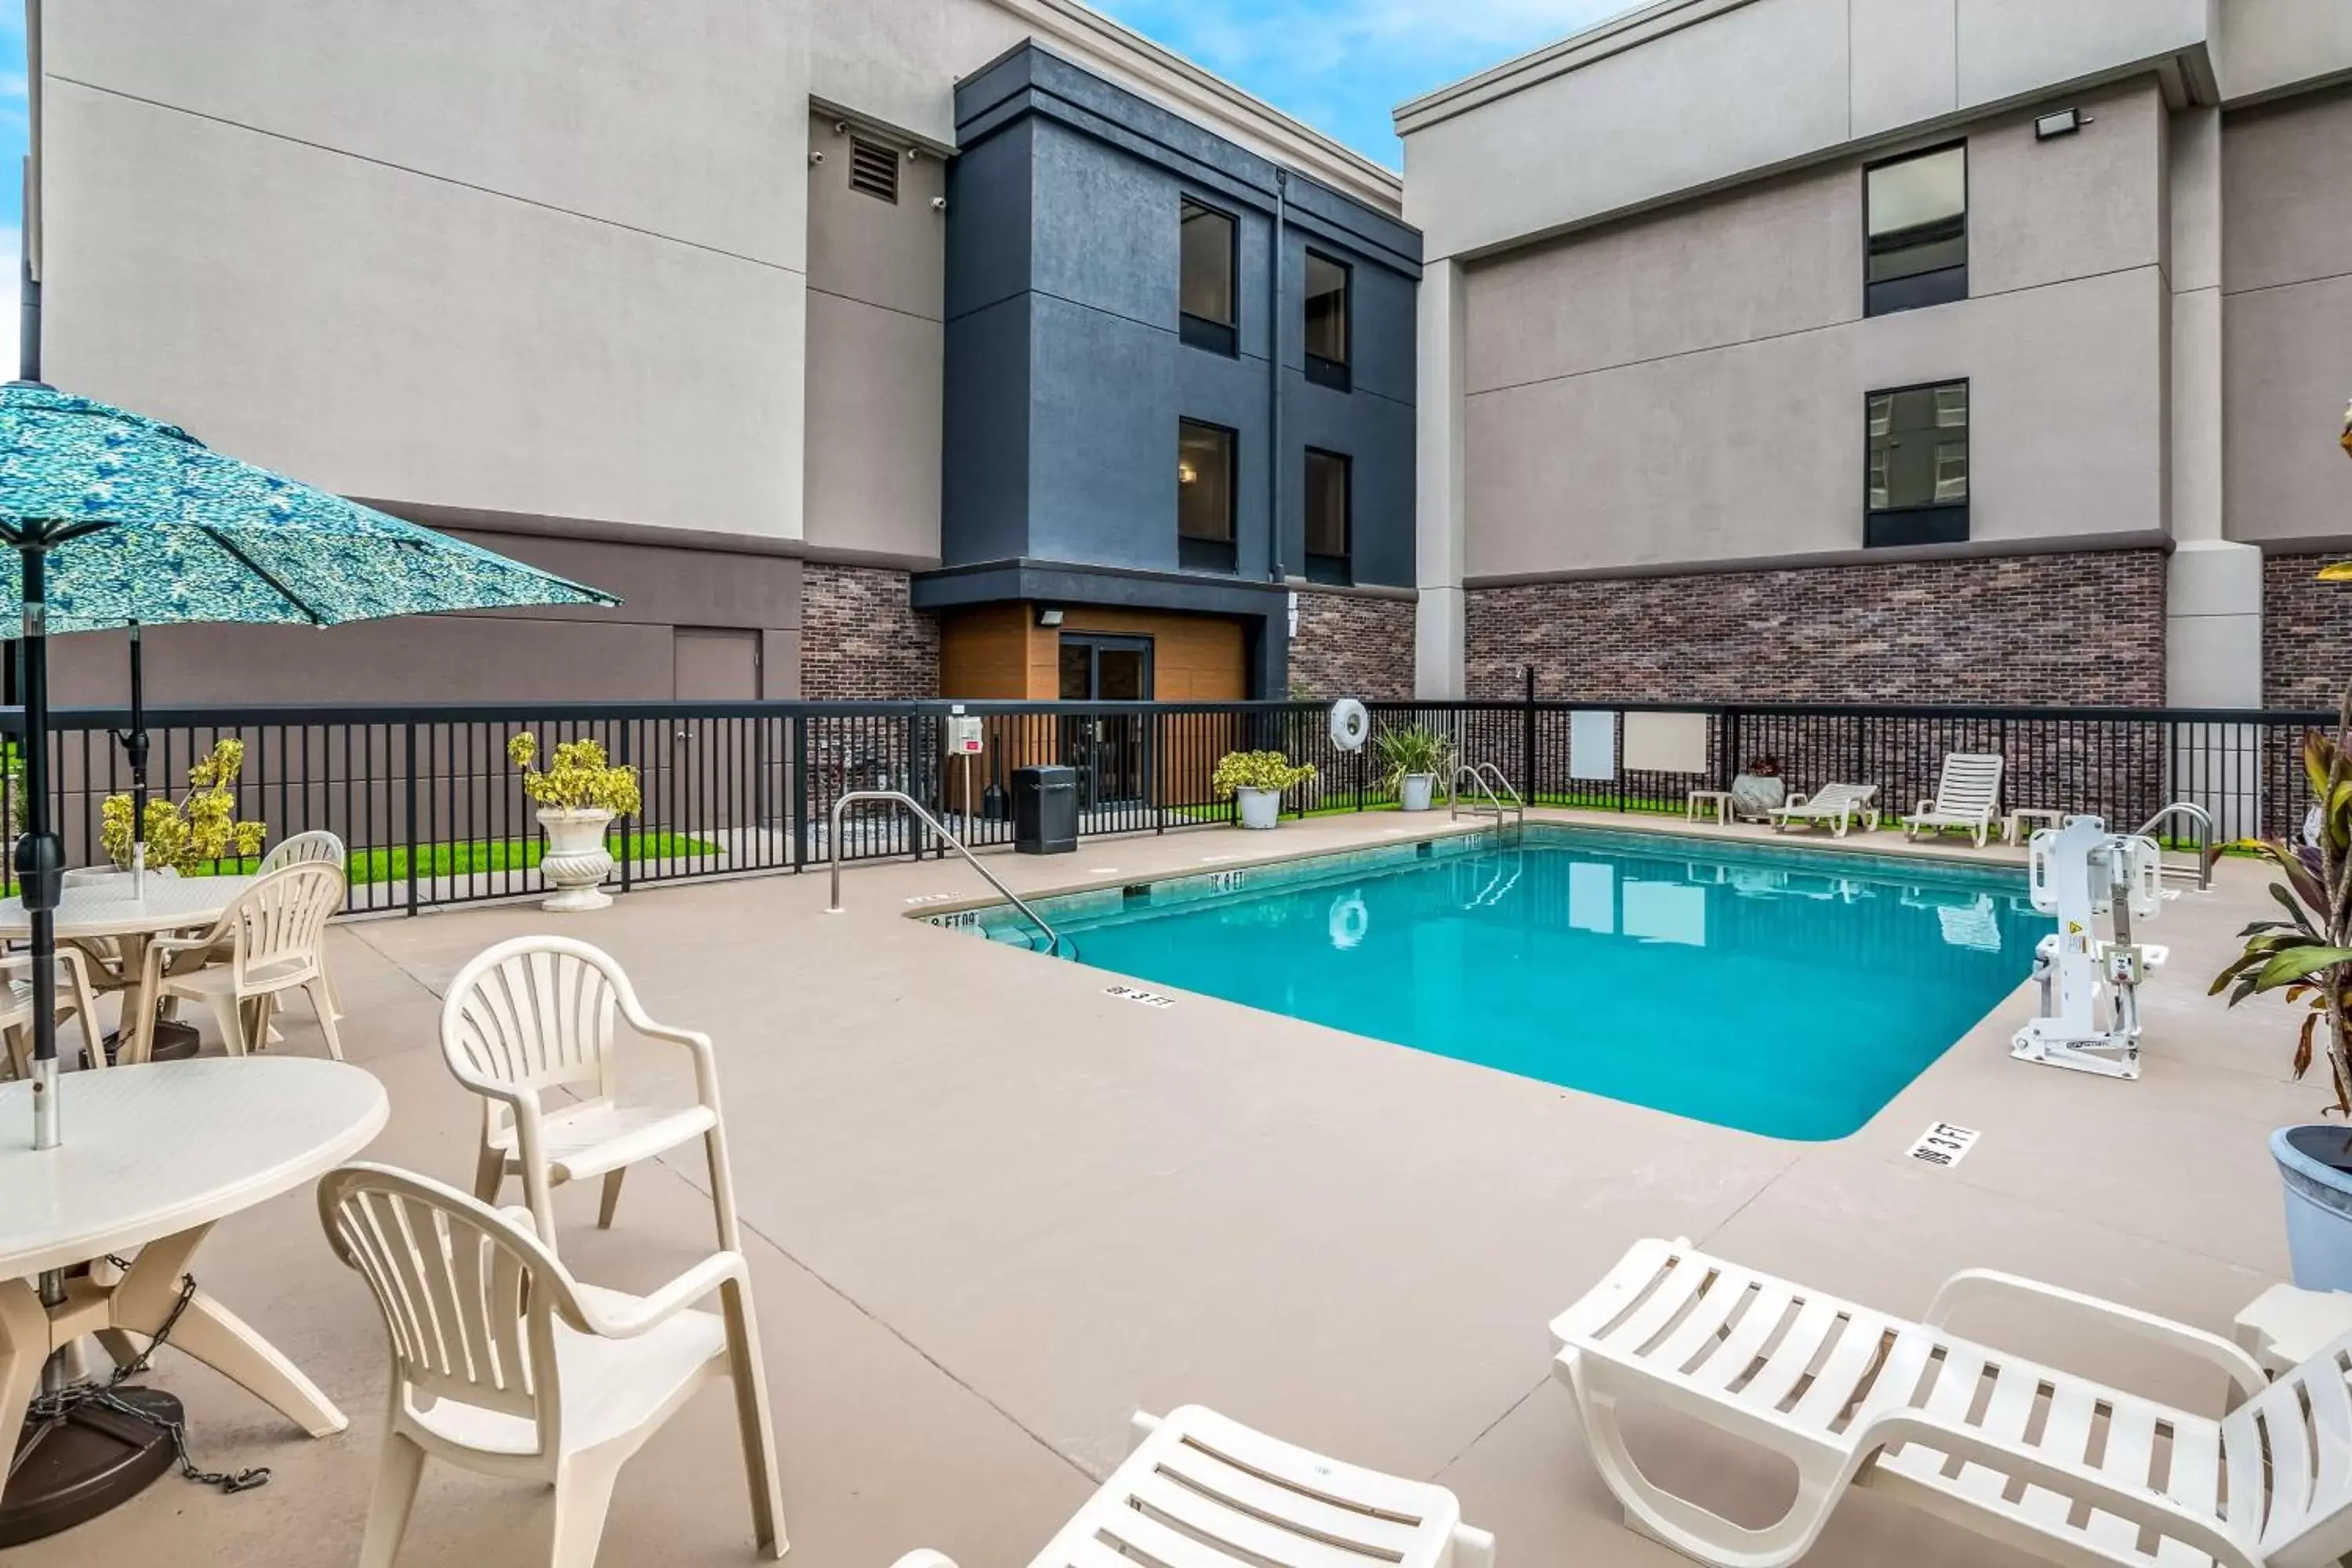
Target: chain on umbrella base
90, 1447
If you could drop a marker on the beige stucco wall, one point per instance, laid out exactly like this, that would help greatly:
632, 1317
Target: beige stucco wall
1688, 388
876, 284
2286, 271
545, 260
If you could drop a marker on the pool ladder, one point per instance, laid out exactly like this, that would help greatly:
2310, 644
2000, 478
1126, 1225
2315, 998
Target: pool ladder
938, 830
1489, 782
2204, 822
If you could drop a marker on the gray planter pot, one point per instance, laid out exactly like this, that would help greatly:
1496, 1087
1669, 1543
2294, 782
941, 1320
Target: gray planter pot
2318, 1203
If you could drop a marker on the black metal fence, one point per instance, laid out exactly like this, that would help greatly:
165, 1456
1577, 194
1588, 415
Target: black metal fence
434, 814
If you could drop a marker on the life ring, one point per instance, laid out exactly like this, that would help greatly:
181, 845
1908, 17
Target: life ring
1350, 725
1350, 920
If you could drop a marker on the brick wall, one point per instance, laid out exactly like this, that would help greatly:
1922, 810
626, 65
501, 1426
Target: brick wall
2084, 628
1352, 646
2306, 633
860, 638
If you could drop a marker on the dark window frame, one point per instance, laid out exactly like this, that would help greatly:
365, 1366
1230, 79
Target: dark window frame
1219, 555
1893, 527
1322, 567
1202, 331
1337, 374
1920, 290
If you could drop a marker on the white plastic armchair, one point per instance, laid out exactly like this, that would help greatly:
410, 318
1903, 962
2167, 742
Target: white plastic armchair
75, 999
505, 1364
275, 935
318, 846
536, 1014
1200, 1490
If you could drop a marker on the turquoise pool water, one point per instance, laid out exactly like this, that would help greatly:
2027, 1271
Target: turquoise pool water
1787, 992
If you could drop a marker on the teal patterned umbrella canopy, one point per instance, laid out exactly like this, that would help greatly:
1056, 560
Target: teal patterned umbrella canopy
193, 536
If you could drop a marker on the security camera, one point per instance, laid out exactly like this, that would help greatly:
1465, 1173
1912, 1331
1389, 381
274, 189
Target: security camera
816, 156
841, 128
939, 203
913, 153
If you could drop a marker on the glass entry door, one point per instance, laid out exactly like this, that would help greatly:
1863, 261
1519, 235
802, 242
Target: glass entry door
1108, 752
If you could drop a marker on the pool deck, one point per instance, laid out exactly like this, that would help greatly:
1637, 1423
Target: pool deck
992, 1209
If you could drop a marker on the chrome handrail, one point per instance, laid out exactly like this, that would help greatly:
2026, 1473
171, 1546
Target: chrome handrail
1052, 937
1486, 776
1518, 802
2206, 829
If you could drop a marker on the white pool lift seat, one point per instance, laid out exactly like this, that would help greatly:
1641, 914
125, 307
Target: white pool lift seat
1993, 1442
1968, 797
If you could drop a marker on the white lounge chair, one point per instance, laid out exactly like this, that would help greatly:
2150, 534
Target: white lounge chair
1834, 805
1988, 1440
1966, 797
1199, 1490
536, 1014
504, 1364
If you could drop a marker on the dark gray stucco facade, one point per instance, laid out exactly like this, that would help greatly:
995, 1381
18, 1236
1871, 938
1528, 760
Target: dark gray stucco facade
1067, 373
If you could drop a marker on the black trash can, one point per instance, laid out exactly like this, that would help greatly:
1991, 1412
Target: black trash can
1046, 811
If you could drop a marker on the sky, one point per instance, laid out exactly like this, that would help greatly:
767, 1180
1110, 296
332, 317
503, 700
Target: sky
1343, 65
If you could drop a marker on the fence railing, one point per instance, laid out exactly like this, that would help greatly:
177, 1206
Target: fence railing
434, 812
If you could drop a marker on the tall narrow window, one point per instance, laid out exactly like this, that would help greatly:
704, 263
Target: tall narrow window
1327, 500
1327, 320
1919, 231
1204, 497
1918, 489
1204, 291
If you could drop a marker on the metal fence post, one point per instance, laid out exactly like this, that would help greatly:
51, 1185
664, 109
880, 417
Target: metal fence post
408, 825
1528, 738
1732, 761
799, 723
628, 859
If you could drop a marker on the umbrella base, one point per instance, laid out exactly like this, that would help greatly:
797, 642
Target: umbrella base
70, 1470
174, 1042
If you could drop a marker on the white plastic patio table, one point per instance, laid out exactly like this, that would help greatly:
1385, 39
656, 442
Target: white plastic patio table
108, 909
154, 1156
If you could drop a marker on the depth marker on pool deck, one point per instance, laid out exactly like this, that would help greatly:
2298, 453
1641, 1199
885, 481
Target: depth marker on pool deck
1148, 998
1944, 1145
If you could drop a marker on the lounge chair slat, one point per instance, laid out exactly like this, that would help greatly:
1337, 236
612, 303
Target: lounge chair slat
1675, 1291
2006, 1414
1858, 1348
1900, 1375
2131, 1449
1793, 1355
1769, 1305
2193, 1478
1713, 1309
1238, 1534
1211, 1473
2331, 1423
1601, 1306
2065, 1437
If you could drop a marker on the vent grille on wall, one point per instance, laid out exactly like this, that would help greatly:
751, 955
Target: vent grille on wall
873, 169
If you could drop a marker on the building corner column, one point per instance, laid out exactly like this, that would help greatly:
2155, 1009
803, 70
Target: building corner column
1438, 628
2214, 585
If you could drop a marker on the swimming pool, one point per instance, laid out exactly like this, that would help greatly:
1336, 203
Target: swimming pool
1784, 991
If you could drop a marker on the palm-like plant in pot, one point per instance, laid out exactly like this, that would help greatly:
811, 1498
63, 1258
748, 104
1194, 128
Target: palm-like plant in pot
2307, 956
1412, 758
578, 794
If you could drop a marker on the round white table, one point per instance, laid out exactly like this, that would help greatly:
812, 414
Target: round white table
154, 1156
107, 910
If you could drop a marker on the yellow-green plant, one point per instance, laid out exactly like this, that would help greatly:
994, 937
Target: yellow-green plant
1257, 770
187, 835
579, 779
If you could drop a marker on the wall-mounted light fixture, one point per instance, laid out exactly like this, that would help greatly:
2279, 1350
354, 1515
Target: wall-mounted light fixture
1049, 615
1186, 473
2064, 122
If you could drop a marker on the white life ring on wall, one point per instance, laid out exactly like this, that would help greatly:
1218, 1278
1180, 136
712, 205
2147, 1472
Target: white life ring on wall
1350, 725
1350, 920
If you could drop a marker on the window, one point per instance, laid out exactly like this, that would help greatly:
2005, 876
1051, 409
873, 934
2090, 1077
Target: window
1327, 320
1204, 291
1919, 231
1327, 518
1918, 483
873, 169
1204, 497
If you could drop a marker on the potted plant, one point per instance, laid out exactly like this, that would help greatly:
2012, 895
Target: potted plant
578, 796
1412, 756
1257, 780
1757, 788
185, 836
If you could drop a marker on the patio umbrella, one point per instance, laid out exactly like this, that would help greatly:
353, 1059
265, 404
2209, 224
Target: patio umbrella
117, 520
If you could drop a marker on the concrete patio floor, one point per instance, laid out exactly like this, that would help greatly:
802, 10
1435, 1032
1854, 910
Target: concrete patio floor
991, 1210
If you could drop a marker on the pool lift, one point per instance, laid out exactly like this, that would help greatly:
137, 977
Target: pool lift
2080, 872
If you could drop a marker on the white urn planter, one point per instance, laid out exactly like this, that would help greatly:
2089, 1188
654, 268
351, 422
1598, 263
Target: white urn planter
576, 861
1414, 790
1259, 807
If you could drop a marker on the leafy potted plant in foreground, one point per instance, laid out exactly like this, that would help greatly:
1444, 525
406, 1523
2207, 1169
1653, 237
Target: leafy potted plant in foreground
1412, 757
1257, 780
578, 796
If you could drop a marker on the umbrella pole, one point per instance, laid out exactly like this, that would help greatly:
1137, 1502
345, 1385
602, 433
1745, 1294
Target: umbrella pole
135, 743
39, 856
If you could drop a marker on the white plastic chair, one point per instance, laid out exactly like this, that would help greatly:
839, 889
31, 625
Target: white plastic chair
276, 935
504, 1364
1967, 797
1991, 1441
75, 1000
316, 847
536, 1014
1200, 1490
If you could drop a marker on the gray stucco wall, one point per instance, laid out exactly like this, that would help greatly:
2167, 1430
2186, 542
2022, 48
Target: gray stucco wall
1062, 319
